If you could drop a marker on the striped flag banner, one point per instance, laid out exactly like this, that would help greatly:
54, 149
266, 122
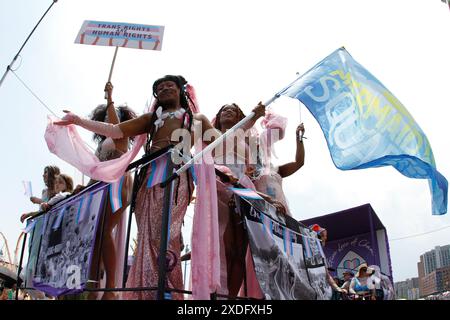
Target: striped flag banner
27, 188
115, 194
319, 244
265, 223
44, 224
308, 251
30, 225
287, 241
158, 169
59, 218
84, 208
246, 193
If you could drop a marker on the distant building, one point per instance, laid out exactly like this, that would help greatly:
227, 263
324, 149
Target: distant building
437, 258
408, 289
436, 282
434, 271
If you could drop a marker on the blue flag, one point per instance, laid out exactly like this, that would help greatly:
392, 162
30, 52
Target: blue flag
364, 125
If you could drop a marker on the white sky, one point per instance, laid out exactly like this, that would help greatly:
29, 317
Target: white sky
243, 52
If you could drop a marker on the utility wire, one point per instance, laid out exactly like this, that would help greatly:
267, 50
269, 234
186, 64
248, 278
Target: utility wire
420, 234
35, 95
42, 102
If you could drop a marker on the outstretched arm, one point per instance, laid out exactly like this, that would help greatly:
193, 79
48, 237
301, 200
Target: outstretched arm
125, 129
292, 167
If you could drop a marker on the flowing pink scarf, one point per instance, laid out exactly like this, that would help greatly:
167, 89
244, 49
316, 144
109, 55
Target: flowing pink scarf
66, 143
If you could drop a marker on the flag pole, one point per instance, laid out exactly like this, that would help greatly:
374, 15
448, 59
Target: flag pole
299, 103
111, 70
219, 140
215, 143
8, 68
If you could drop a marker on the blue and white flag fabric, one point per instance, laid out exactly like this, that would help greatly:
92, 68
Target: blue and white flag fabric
364, 125
59, 218
83, 208
30, 225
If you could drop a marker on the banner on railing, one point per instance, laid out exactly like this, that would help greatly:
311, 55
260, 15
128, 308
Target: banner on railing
67, 242
288, 258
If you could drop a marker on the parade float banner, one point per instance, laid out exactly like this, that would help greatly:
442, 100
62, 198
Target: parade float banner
289, 262
355, 236
67, 239
364, 125
118, 34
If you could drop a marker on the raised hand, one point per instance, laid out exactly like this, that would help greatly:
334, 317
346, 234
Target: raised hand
259, 110
23, 217
109, 89
300, 132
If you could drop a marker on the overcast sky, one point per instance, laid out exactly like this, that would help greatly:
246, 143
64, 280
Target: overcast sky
242, 52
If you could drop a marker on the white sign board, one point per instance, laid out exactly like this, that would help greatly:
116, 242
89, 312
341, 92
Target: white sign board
119, 34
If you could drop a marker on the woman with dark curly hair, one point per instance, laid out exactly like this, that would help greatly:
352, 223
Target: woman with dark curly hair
114, 230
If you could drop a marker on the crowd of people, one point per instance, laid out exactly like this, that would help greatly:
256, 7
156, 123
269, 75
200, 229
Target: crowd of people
366, 284
243, 159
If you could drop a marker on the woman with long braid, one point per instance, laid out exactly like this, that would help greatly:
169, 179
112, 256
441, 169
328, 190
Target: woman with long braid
173, 111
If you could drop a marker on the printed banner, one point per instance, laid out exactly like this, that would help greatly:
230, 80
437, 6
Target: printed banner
118, 34
289, 262
67, 243
364, 125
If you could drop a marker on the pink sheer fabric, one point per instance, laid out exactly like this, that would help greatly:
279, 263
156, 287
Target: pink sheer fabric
149, 208
66, 143
205, 256
274, 129
205, 260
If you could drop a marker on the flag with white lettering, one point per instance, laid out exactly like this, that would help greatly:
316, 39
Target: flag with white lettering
364, 125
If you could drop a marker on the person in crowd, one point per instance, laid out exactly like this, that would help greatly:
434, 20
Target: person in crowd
232, 159
3, 293
63, 188
322, 235
173, 111
348, 276
360, 286
268, 178
49, 176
